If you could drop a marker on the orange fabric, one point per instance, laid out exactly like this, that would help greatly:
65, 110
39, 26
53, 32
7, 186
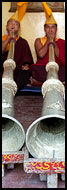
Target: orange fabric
44, 39
8, 45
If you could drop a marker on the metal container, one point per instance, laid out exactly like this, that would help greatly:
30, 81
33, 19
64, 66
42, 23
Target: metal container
13, 135
45, 137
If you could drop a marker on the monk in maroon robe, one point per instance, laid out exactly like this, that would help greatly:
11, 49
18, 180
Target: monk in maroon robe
42, 50
38, 70
22, 55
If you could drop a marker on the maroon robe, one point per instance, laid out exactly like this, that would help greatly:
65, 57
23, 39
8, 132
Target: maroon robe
38, 70
22, 56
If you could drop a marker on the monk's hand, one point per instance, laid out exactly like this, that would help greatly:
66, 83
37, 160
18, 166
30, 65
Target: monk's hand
11, 36
51, 40
25, 67
63, 83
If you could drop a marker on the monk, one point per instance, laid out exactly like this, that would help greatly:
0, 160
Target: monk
22, 55
42, 51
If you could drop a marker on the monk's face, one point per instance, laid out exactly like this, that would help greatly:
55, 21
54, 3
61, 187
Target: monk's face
50, 30
13, 26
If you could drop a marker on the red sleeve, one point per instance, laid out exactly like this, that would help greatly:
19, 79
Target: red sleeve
61, 45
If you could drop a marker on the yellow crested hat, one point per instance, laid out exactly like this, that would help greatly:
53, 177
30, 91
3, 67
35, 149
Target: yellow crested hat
21, 9
49, 16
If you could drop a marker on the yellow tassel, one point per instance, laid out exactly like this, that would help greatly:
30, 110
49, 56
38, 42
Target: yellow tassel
47, 10
21, 7
20, 12
49, 16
